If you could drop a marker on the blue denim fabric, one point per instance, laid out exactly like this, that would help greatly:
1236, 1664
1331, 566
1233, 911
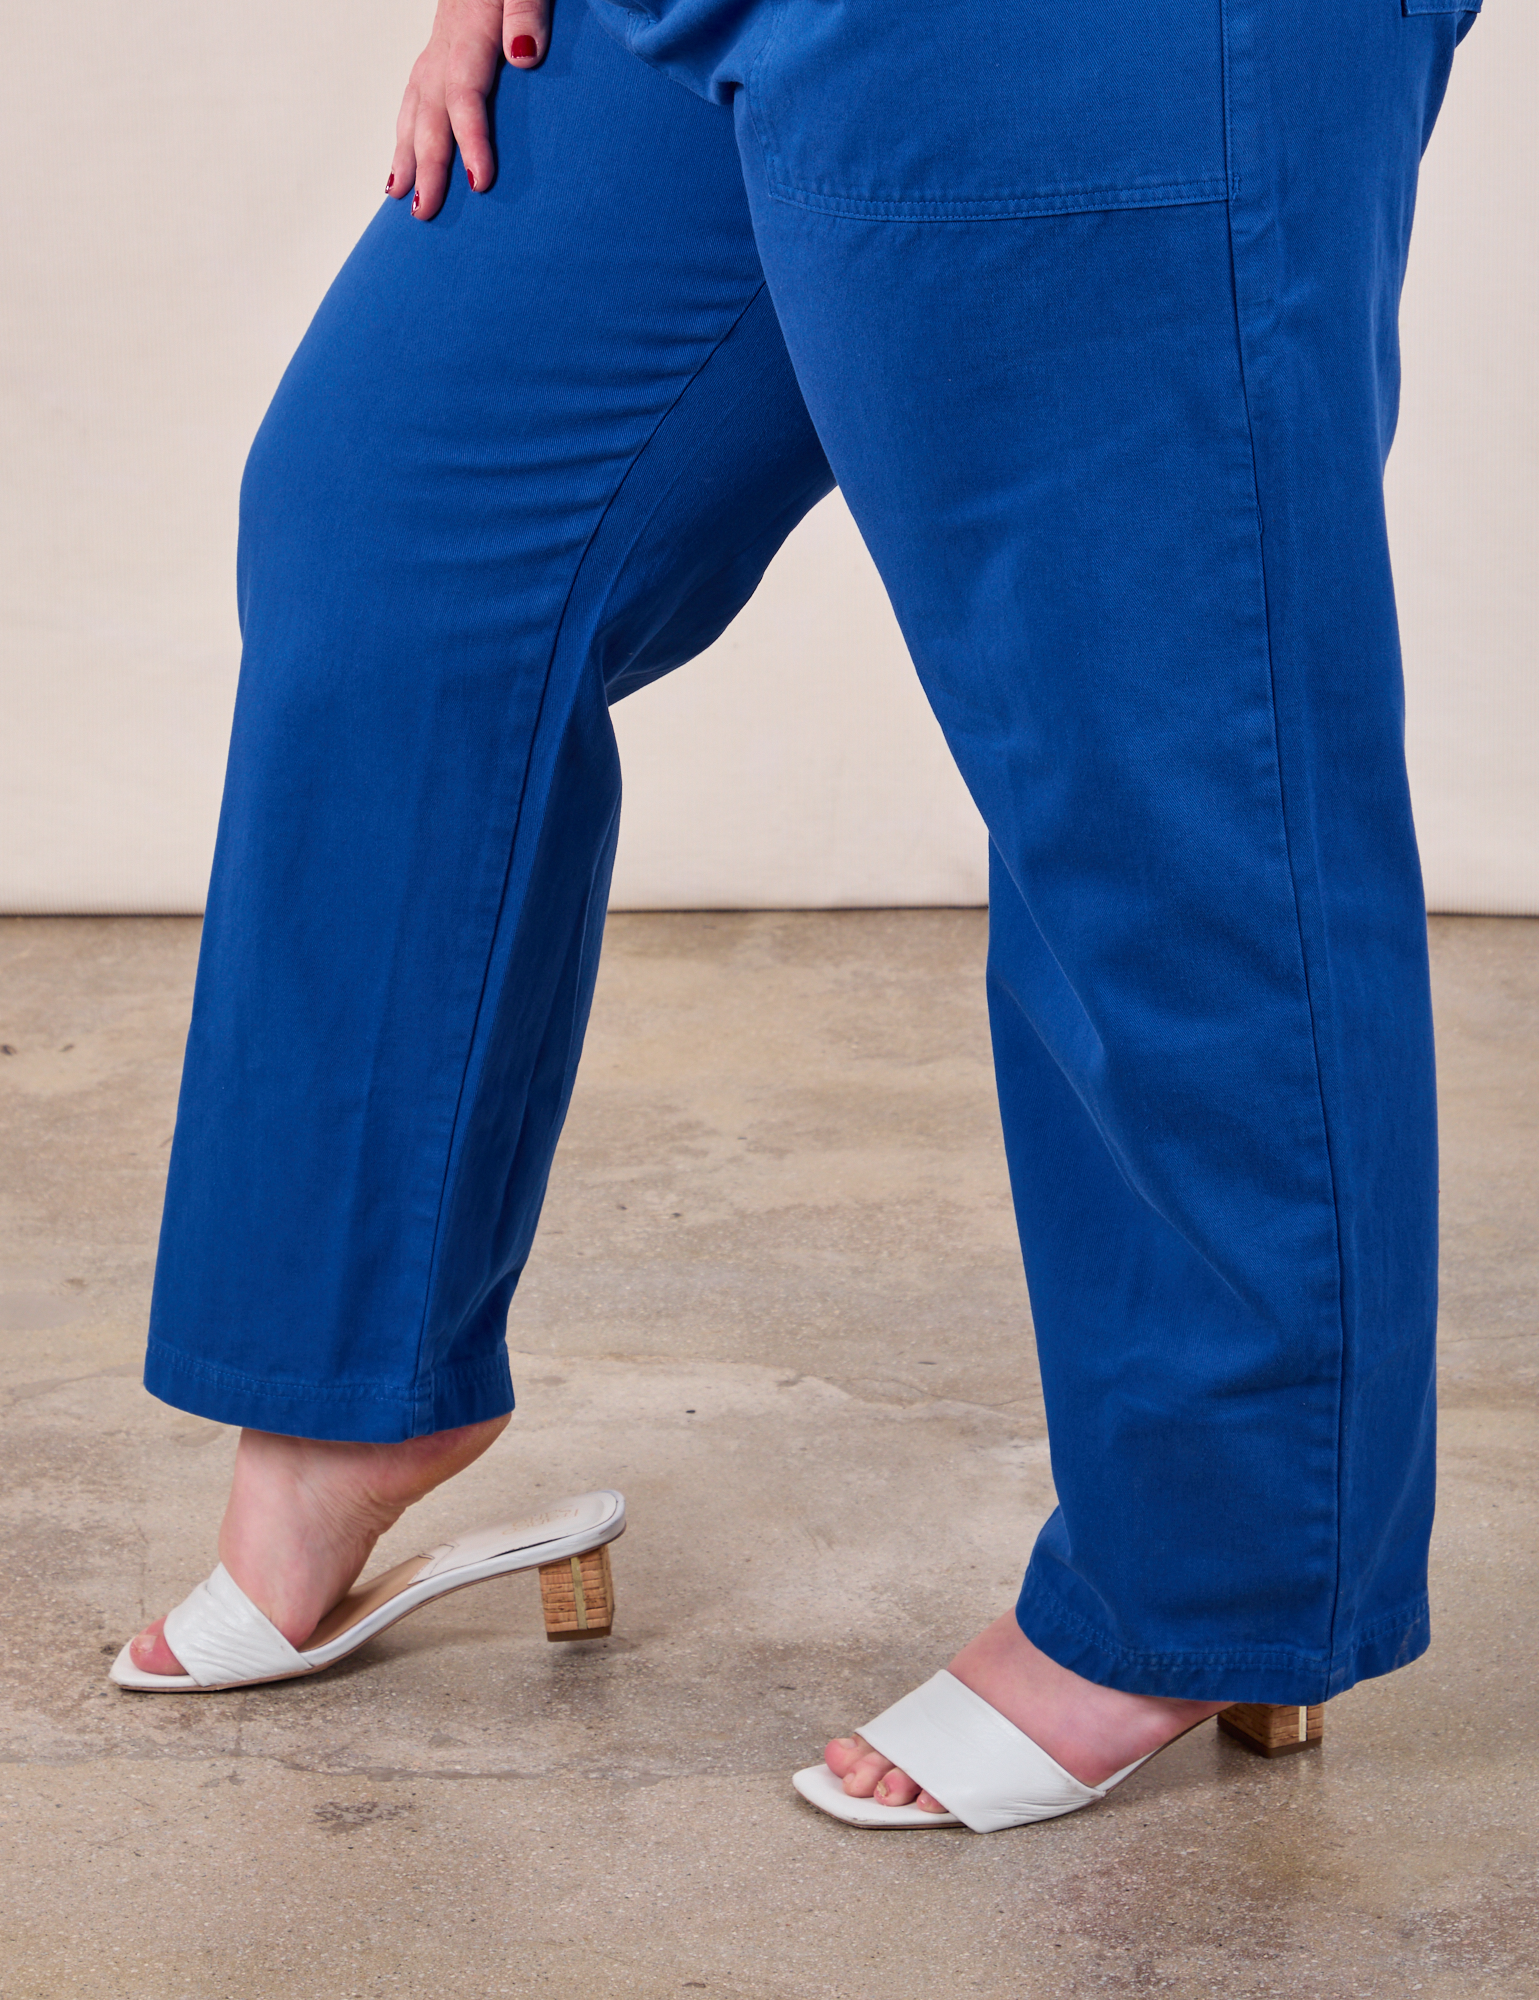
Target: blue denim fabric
1091, 312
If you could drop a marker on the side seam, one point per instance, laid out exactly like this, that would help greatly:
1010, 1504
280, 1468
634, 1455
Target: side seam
1235, 181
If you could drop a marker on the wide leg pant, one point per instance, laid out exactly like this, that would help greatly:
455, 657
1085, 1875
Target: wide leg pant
1091, 311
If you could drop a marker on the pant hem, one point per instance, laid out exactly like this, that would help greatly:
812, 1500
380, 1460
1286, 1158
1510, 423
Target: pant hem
1282, 1674
361, 1412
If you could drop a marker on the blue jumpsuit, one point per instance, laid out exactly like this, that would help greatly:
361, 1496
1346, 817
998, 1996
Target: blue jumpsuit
1090, 310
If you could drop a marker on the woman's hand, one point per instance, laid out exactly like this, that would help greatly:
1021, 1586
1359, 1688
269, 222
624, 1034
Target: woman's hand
445, 99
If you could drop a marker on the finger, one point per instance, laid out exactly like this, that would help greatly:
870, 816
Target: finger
403, 161
469, 77
466, 106
435, 155
525, 32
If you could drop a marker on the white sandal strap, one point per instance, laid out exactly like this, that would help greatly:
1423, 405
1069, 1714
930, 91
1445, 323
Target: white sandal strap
566, 1518
965, 1753
219, 1636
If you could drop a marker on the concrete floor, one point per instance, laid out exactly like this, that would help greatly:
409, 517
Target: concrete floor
777, 1300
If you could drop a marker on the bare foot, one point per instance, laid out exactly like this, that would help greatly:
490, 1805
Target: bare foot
304, 1515
1091, 1731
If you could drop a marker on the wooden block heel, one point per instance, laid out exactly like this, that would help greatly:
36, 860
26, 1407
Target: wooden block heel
578, 1596
1274, 1732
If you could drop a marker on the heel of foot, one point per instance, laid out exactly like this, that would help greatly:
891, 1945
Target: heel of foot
578, 1596
1271, 1731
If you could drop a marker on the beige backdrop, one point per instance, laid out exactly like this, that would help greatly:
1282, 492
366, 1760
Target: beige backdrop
179, 192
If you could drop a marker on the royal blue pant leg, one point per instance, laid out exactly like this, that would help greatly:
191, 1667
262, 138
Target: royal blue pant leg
528, 455
1329, 114
1094, 309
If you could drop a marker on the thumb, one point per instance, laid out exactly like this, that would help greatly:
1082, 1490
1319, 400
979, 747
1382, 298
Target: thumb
525, 32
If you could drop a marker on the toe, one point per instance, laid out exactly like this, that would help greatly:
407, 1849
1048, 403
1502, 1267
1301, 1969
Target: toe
865, 1774
895, 1788
150, 1653
844, 1753
852, 1759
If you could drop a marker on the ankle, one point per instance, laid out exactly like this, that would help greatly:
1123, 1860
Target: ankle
304, 1514
1091, 1730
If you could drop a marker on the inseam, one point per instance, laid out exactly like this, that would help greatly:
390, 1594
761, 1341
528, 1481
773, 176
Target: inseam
523, 793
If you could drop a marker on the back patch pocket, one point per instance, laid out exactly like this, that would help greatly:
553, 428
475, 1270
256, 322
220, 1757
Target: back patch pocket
966, 109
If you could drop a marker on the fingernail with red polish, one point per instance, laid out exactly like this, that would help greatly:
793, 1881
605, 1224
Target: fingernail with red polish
471, 178
390, 183
416, 203
524, 47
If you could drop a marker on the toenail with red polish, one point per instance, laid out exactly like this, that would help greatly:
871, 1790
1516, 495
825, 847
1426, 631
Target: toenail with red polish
524, 46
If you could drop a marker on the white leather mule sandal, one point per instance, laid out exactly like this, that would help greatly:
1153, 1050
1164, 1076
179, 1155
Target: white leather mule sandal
991, 1775
224, 1641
